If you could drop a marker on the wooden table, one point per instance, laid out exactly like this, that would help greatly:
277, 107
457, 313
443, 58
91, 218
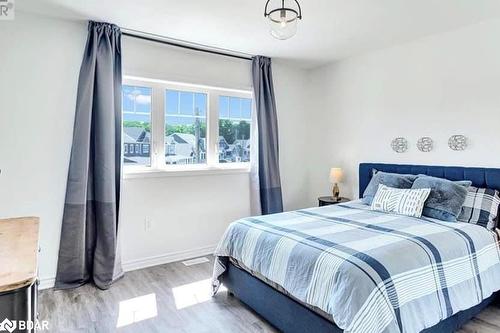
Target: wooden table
18, 268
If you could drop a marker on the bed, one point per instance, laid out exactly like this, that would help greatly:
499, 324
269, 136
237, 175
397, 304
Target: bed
347, 268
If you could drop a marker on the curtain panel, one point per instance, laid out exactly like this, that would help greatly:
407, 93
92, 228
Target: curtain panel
89, 244
267, 123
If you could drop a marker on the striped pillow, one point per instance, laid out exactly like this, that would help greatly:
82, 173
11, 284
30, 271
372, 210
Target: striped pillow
409, 202
480, 207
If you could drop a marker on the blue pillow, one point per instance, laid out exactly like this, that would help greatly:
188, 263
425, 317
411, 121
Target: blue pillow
395, 180
446, 198
465, 183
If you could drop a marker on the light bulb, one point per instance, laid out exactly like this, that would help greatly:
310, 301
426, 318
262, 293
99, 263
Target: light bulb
283, 18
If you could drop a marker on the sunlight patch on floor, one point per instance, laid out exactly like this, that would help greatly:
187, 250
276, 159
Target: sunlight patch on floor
137, 309
193, 293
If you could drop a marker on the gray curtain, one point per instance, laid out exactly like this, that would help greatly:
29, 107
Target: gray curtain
88, 249
267, 123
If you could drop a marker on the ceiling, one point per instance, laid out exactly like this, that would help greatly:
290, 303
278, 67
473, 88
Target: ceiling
330, 29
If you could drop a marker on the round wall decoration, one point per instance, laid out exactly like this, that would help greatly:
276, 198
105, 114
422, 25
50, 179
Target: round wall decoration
457, 142
425, 144
399, 145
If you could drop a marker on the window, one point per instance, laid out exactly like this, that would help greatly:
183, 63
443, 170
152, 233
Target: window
235, 117
185, 127
136, 105
174, 126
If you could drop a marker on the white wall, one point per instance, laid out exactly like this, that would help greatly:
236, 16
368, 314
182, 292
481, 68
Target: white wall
39, 64
39, 68
437, 86
294, 116
159, 61
188, 214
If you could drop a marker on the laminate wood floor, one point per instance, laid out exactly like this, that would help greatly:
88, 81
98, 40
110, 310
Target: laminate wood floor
171, 298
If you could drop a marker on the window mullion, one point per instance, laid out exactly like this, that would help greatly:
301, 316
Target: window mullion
158, 127
213, 128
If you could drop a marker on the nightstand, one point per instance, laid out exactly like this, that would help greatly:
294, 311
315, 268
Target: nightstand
325, 201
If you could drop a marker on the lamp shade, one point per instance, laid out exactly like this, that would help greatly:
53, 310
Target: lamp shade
336, 175
283, 16
283, 24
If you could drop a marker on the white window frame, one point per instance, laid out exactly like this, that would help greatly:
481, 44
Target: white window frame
158, 167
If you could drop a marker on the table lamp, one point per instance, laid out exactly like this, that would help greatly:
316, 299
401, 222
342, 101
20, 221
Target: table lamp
336, 176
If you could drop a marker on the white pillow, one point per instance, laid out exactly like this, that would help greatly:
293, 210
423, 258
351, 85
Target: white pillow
409, 202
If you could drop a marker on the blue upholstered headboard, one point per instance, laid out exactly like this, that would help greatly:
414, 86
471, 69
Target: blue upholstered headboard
480, 177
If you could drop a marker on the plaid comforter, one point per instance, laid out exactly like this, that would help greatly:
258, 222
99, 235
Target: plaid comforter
371, 271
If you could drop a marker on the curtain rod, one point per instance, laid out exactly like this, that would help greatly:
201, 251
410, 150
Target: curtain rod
181, 44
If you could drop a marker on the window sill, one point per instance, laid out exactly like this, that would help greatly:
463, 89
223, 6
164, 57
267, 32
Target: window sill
147, 172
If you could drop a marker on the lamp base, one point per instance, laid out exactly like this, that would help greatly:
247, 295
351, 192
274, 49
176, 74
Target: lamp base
336, 192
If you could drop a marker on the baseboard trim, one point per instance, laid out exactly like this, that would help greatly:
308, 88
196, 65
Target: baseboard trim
166, 258
132, 265
47, 283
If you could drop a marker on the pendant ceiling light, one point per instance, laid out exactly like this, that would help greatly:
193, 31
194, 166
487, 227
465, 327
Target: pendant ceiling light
283, 16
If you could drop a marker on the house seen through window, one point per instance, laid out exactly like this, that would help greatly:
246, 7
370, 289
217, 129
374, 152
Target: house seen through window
234, 129
185, 127
136, 104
